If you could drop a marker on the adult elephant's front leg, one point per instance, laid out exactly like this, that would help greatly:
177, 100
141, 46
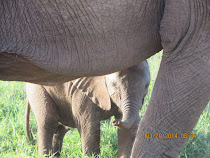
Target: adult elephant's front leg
181, 91
180, 95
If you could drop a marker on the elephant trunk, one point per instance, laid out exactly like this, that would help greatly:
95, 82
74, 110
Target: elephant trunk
129, 116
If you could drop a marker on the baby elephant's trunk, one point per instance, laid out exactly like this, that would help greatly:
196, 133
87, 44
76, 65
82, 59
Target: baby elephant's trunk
129, 116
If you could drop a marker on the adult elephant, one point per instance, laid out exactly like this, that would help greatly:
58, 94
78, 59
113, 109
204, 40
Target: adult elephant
48, 41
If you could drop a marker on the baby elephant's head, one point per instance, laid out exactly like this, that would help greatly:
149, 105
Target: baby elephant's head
128, 89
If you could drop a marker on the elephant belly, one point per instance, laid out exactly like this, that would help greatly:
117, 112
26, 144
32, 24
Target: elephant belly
85, 38
13, 67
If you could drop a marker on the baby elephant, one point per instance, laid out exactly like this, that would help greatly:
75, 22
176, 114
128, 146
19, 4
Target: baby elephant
83, 103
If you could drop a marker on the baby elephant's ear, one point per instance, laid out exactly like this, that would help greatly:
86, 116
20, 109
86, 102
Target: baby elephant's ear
95, 88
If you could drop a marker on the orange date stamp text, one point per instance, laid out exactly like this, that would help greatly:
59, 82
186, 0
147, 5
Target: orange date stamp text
170, 135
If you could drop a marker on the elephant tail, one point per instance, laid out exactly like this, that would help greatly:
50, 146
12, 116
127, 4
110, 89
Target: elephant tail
28, 132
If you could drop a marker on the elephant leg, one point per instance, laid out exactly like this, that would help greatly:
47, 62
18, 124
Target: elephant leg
90, 135
126, 139
45, 136
58, 140
178, 99
181, 91
46, 117
87, 117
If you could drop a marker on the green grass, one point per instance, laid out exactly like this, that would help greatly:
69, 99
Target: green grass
13, 137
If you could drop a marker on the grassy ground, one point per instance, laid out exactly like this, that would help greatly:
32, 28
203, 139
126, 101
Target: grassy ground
13, 143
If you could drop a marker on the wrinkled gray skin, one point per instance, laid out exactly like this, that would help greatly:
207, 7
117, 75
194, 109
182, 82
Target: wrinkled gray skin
47, 41
74, 105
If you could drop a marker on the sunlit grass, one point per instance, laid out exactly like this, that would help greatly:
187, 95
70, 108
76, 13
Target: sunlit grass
13, 137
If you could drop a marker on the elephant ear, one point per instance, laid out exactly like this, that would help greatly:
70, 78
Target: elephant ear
95, 88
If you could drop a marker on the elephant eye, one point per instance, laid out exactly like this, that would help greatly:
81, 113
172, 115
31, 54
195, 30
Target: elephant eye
114, 85
147, 85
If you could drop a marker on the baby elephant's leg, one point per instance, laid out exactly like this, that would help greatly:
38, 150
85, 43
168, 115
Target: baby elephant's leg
58, 140
44, 140
46, 116
90, 136
87, 117
126, 139
47, 125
